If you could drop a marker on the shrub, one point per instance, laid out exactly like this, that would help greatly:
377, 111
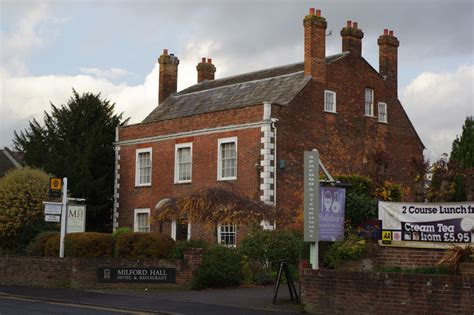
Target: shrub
116, 234
144, 245
88, 244
181, 246
220, 268
51, 247
352, 248
38, 244
361, 204
22, 192
272, 246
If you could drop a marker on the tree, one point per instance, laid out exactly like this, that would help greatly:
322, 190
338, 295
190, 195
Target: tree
463, 148
22, 192
452, 180
76, 141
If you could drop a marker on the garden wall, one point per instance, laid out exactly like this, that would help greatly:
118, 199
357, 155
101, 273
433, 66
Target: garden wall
406, 258
82, 272
339, 292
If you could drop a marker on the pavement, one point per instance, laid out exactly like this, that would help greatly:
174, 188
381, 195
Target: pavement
241, 300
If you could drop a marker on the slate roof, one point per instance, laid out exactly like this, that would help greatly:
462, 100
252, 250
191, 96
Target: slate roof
9, 160
277, 85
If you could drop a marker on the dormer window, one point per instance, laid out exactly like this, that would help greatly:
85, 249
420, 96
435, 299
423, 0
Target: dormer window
369, 102
330, 101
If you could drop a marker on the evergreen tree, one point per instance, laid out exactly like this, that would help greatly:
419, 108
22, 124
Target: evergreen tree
463, 148
76, 141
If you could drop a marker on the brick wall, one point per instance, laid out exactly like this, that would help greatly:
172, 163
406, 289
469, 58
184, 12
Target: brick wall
204, 164
348, 141
407, 257
82, 272
336, 292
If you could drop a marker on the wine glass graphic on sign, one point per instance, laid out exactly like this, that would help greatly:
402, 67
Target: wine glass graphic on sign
327, 200
336, 205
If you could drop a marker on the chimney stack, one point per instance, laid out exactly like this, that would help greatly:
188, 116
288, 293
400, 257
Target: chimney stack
388, 55
168, 78
352, 39
315, 45
205, 70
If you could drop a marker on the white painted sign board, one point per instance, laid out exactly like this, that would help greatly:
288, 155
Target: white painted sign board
76, 219
52, 218
52, 208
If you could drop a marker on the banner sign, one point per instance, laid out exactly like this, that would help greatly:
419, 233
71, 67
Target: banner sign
331, 216
76, 219
137, 275
311, 196
427, 225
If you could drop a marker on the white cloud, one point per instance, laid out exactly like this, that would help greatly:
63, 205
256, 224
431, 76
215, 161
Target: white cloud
26, 97
438, 104
25, 36
110, 74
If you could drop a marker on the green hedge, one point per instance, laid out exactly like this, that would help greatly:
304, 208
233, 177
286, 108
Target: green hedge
51, 246
88, 244
38, 244
220, 268
272, 246
144, 245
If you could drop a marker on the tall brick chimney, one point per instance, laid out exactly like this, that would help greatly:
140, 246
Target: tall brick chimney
168, 79
315, 45
352, 39
205, 70
388, 55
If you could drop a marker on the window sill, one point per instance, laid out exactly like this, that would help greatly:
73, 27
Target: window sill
183, 182
383, 122
142, 185
371, 116
330, 112
223, 179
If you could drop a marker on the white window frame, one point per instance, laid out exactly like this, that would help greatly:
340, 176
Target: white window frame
135, 218
385, 120
333, 110
137, 166
371, 108
219, 158
219, 234
176, 165
174, 228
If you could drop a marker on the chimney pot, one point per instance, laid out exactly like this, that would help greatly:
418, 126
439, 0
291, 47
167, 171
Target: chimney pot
311, 11
385, 31
349, 23
354, 25
203, 59
209, 60
165, 51
390, 33
318, 12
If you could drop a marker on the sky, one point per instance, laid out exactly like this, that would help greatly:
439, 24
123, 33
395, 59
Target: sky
47, 48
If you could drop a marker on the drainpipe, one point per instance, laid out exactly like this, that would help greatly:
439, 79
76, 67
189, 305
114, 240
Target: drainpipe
274, 128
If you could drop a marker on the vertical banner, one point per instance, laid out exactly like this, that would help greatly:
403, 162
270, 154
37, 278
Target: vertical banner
311, 196
331, 215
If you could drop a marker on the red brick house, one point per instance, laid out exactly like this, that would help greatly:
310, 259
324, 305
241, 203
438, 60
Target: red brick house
248, 132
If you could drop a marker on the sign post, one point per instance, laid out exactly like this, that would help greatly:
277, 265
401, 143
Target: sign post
311, 204
63, 218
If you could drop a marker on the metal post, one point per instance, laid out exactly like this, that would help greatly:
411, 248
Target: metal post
63, 218
314, 255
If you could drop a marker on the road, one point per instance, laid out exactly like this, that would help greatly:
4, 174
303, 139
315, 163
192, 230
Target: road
23, 300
